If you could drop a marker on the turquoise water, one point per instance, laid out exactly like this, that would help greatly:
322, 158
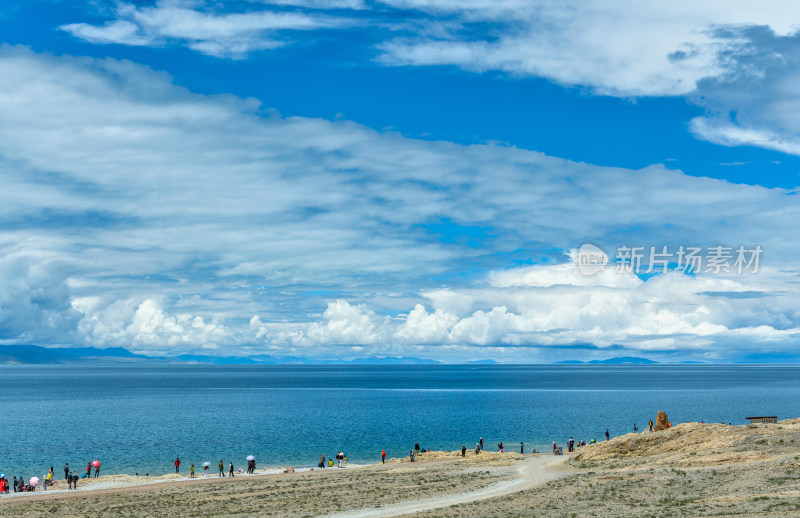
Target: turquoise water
139, 418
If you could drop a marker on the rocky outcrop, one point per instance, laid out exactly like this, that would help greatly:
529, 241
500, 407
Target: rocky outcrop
661, 421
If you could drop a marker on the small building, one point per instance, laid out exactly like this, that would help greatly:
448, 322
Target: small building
763, 419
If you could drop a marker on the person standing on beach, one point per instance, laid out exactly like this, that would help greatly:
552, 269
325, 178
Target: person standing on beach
322, 461
607, 435
97, 470
221, 468
416, 448
66, 471
177, 463
191, 471
463, 451
15, 484
383, 456
74, 480
88, 470
521, 447
651, 425
231, 470
477, 448
481, 442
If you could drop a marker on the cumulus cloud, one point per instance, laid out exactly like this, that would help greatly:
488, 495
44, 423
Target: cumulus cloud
702, 317
214, 212
34, 296
147, 328
343, 324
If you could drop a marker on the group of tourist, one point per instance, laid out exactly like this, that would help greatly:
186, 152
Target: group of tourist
341, 460
71, 477
19, 485
251, 467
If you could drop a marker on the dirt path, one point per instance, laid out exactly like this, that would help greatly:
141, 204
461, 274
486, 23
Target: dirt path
533, 472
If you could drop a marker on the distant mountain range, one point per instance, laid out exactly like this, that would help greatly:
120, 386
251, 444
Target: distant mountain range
623, 360
33, 354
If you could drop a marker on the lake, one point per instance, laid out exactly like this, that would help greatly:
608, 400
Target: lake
138, 418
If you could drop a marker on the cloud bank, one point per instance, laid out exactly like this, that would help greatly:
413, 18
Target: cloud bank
138, 213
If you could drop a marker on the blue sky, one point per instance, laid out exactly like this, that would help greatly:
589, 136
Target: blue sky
347, 178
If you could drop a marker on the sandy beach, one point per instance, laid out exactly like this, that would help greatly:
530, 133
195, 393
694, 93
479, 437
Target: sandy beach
692, 469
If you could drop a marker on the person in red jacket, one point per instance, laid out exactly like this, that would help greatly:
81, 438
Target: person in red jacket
88, 469
383, 456
177, 463
3, 485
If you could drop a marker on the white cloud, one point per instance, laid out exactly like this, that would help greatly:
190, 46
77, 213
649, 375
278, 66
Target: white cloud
427, 328
118, 187
703, 316
343, 324
147, 328
226, 35
756, 103
740, 61
623, 48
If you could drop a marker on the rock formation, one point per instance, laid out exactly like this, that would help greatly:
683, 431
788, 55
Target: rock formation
661, 421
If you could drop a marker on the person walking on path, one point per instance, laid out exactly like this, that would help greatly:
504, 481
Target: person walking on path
463, 451
74, 480
177, 464
231, 470
416, 448
607, 435
191, 471
66, 471
383, 456
221, 468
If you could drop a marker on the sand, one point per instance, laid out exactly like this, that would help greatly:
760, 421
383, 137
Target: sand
691, 470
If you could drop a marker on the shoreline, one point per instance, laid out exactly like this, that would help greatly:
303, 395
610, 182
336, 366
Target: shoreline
691, 469
124, 483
